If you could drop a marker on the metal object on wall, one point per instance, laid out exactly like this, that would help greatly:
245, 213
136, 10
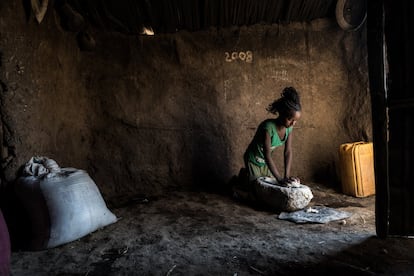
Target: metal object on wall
351, 14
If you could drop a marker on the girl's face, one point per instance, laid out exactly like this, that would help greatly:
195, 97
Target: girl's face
291, 120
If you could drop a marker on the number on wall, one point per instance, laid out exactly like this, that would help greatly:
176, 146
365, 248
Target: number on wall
246, 56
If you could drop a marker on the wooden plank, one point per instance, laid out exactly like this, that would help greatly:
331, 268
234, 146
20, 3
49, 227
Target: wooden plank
375, 38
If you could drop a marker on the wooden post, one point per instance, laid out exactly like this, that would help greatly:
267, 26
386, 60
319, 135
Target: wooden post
377, 85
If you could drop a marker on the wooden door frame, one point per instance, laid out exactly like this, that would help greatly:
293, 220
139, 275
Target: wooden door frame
378, 90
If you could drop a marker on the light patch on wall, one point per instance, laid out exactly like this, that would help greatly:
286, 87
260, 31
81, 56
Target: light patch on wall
147, 31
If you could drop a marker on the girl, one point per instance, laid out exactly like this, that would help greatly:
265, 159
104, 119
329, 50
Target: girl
273, 133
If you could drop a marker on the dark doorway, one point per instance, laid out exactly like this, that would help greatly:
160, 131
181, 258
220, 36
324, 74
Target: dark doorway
390, 47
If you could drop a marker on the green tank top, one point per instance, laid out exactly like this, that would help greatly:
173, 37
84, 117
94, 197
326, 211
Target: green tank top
255, 151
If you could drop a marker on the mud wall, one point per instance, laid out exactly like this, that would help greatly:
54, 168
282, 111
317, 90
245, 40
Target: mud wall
147, 114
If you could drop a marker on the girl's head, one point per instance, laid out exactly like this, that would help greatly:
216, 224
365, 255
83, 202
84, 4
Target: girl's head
287, 106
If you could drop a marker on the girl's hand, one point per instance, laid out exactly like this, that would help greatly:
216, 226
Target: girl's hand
290, 182
293, 179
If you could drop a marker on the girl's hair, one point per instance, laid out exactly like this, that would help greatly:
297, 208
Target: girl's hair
287, 104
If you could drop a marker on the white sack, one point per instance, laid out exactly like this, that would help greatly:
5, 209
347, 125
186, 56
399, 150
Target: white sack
64, 204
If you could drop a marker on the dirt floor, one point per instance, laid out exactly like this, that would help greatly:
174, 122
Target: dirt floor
199, 233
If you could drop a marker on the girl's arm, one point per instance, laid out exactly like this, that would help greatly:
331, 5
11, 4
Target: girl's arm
288, 156
268, 157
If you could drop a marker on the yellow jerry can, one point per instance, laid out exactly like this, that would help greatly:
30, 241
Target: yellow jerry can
357, 169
